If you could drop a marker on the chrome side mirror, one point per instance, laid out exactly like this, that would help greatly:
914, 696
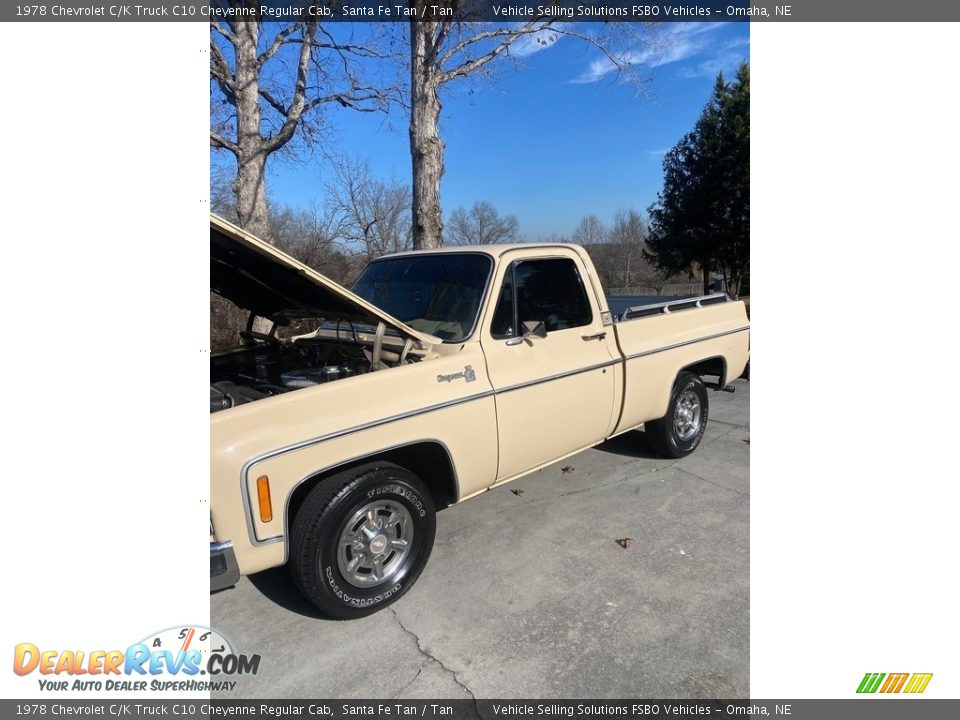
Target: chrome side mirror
534, 328
531, 329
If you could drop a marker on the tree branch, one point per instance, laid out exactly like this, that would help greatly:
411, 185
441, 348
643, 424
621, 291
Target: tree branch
273, 102
437, 42
215, 24
279, 40
221, 72
469, 66
297, 106
358, 50
512, 34
618, 62
219, 142
347, 100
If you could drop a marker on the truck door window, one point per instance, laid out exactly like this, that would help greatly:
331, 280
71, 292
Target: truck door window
549, 290
504, 321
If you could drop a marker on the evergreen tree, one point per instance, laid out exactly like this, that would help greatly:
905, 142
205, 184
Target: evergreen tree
701, 219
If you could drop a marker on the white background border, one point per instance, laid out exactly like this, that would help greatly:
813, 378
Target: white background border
854, 481
854, 432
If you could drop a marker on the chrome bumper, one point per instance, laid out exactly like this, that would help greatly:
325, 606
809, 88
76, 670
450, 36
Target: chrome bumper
223, 566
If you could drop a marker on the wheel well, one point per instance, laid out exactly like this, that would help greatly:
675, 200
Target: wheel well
428, 460
711, 366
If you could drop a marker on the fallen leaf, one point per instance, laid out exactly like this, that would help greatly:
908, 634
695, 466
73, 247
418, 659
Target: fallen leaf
567, 469
625, 542
517, 491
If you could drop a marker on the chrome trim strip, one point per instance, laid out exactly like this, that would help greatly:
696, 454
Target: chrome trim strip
569, 373
558, 376
697, 302
286, 502
685, 343
244, 485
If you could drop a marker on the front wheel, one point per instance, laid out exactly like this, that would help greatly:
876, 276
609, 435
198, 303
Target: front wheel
678, 433
361, 539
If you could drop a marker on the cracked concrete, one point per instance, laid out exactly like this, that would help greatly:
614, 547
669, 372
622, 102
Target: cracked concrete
531, 596
430, 658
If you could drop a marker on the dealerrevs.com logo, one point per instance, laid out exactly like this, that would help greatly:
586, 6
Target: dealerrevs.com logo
894, 683
184, 658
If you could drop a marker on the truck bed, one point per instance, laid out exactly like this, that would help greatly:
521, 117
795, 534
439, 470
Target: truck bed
618, 304
629, 307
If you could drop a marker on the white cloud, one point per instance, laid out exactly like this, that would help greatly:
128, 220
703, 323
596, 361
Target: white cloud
725, 59
534, 43
680, 42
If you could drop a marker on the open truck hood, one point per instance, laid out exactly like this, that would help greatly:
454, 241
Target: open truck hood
255, 276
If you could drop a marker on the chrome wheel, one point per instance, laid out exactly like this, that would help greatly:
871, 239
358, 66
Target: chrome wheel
686, 415
374, 543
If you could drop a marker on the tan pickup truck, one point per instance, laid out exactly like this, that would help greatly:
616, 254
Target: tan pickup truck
441, 374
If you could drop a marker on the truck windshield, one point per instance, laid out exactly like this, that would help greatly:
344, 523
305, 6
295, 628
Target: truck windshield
436, 294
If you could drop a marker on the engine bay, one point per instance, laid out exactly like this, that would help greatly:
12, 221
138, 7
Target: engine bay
271, 367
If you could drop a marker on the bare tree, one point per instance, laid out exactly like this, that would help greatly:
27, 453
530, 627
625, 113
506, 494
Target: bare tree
482, 225
628, 234
371, 213
452, 47
313, 236
650, 276
259, 105
590, 231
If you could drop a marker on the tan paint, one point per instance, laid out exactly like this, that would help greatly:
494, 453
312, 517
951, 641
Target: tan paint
542, 422
491, 437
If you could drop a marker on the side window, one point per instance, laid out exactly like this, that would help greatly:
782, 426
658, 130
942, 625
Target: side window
549, 290
503, 317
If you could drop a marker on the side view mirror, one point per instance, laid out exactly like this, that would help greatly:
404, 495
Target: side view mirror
534, 328
531, 329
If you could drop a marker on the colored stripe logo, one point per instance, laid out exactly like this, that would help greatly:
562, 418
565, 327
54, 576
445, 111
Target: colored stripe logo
894, 682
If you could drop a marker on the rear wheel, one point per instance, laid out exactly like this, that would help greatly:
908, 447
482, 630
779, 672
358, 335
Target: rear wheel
361, 539
679, 432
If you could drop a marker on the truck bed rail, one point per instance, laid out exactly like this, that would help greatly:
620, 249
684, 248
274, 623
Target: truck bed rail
673, 306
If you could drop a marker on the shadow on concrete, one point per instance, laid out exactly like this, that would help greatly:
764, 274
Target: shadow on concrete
277, 585
631, 444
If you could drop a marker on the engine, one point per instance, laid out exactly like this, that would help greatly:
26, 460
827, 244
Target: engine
254, 373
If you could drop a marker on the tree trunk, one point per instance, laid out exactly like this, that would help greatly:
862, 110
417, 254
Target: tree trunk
706, 279
252, 159
251, 195
426, 147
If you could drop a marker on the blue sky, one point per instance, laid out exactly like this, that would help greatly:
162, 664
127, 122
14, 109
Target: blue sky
552, 140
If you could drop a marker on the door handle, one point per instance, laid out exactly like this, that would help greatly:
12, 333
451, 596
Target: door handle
596, 336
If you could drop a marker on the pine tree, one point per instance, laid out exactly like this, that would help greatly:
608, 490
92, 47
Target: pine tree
701, 219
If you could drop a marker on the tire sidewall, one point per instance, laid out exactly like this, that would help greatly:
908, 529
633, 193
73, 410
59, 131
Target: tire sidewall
688, 382
383, 483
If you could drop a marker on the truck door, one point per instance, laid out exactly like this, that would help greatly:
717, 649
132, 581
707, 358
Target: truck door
555, 386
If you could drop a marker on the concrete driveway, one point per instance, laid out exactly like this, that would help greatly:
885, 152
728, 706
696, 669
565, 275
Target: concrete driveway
528, 594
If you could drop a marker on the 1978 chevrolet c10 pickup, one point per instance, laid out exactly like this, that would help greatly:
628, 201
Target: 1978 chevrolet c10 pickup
442, 374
